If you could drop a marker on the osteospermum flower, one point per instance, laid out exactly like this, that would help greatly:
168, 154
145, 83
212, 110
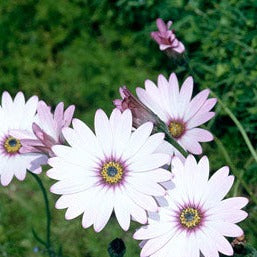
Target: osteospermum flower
166, 38
17, 115
47, 130
112, 170
181, 114
194, 218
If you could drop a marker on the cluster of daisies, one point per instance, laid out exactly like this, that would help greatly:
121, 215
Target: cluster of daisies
127, 167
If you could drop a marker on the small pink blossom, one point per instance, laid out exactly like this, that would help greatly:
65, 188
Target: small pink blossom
166, 38
181, 113
47, 129
140, 112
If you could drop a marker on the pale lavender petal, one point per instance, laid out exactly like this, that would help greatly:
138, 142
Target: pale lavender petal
226, 228
161, 25
200, 135
199, 119
68, 115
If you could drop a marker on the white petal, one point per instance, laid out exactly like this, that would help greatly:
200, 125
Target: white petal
6, 177
149, 147
223, 246
106, 199
73, 185
152, 231
121, 211
87, 138
103, 132
144, 201
137, 139
122, 130
149, 162
153, 245
207, 245
144, 185
226, 228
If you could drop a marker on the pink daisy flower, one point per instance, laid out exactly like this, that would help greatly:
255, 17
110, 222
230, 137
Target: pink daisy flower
166, 38
47, 130
181, 114
112, 170
17, 115
194, 218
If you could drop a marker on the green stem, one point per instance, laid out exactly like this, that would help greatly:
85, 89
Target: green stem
234, 170
239, 126
229, 113
48, 213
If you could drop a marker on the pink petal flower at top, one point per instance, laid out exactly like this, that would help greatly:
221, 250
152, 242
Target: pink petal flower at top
194, 219
181, 114
166, 38
16, 114
47, 129
112, 169
140, 112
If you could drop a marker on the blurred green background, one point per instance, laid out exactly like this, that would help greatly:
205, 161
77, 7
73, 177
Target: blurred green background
80, 52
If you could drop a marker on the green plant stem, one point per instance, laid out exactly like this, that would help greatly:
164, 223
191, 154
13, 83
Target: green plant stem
229, 113
48, 213
234, 170
239, 126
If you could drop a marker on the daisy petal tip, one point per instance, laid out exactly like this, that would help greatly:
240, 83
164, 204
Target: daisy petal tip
5, 184
76, 122
211, 137
68, 217
49, 162
34, 98
98, 229
99, 112
204, 158
58, 207
246, 201
53, 190
137, 234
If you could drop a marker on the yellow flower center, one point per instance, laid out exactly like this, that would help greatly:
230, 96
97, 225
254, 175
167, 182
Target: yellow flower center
176, 129
12, 145
190, 217
112, 172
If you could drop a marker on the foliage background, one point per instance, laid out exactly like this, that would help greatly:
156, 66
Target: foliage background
81, 51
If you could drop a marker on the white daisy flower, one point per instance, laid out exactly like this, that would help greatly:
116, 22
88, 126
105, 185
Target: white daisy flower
194, 219
112, 170
17, 115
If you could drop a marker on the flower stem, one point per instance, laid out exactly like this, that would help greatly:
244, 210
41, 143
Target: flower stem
48, 214
239, 126
236, 172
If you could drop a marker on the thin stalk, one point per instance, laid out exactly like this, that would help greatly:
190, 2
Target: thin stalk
234, 170
229, 113
48, 213
239, 126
